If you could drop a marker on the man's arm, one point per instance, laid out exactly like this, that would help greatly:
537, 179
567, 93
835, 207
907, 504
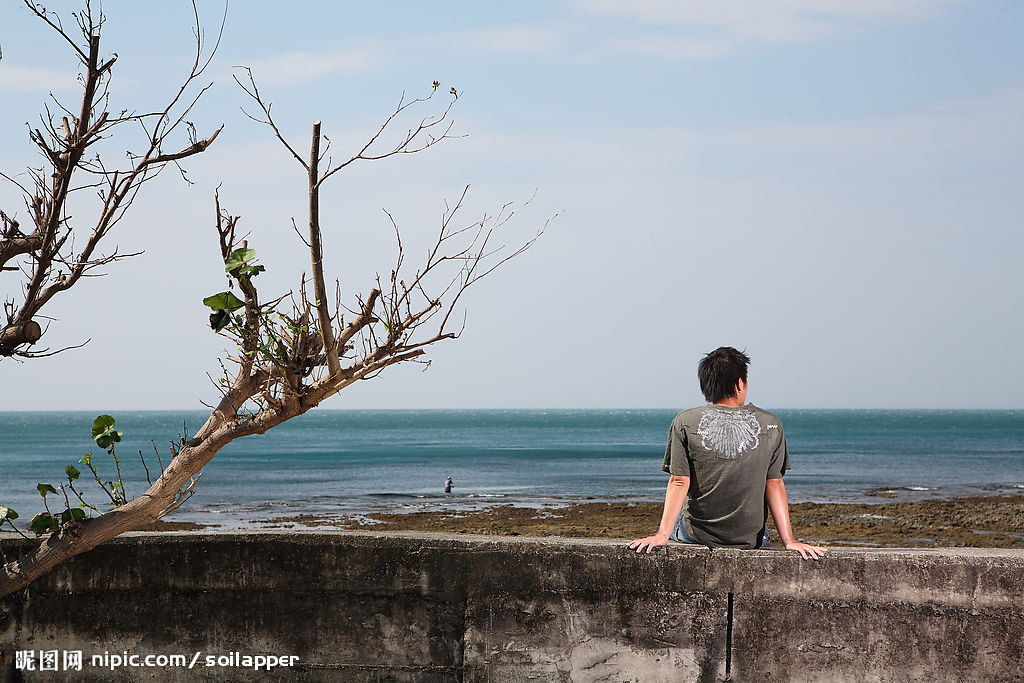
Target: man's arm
675, 496
778, 503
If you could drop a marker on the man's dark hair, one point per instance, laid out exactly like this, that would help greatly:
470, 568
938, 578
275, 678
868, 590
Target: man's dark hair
719, 371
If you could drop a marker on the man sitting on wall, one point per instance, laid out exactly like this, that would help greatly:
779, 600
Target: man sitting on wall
726, 461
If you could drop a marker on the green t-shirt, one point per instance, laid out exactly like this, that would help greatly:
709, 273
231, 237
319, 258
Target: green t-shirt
728, 453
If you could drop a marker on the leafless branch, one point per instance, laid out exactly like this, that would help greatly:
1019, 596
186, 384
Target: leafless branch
46, 251
253, 91
283, 365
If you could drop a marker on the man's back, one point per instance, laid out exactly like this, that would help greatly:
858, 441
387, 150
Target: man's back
726, 460
728, 453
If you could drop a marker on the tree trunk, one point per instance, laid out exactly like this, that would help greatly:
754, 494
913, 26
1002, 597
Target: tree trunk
145, 509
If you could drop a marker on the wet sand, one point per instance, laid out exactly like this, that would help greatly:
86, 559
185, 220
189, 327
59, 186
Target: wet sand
981, 521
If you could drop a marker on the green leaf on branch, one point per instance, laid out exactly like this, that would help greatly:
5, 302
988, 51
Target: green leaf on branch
73, 515
7, 513
42, 523
219, 320
72, 472
252, 270
226, 301
108, 440
44, 489
103, 432
239, 258
102, 424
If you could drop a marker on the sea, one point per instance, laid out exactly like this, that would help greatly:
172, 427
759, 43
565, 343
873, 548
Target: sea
357, 462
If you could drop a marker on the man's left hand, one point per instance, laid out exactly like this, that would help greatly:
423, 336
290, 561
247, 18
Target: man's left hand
651, 542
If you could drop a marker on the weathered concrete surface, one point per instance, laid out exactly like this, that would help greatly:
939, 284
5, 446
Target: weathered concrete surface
360, 606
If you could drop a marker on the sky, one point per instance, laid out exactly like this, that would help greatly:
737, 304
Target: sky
832, 185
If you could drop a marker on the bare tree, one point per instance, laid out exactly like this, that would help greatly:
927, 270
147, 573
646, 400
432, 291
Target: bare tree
295, 351
54, 252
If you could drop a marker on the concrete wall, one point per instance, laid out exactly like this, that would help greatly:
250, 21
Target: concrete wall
357, 606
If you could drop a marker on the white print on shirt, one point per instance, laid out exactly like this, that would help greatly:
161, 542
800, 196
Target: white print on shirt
773, 426
728, 432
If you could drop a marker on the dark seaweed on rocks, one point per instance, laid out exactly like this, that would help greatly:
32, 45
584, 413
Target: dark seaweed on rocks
980, 521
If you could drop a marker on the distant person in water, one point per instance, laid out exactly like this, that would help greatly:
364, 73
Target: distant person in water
725, 460
448, 485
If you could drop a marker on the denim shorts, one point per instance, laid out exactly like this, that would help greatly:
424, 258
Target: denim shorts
679, 534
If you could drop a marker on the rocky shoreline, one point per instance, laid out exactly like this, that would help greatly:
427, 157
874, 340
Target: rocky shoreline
978, 521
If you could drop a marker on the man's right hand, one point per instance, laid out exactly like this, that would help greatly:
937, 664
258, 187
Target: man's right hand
806, 550
650, 543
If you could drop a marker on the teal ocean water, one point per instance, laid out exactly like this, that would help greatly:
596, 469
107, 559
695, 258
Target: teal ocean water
363, 461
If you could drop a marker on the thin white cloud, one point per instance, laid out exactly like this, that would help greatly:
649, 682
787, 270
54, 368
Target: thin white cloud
675, 47
940, 134
14, 78
952, 134
711, 28
305, 67
515, 39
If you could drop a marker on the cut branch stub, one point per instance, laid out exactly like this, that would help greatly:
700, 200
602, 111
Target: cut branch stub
18, 334
317, 256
